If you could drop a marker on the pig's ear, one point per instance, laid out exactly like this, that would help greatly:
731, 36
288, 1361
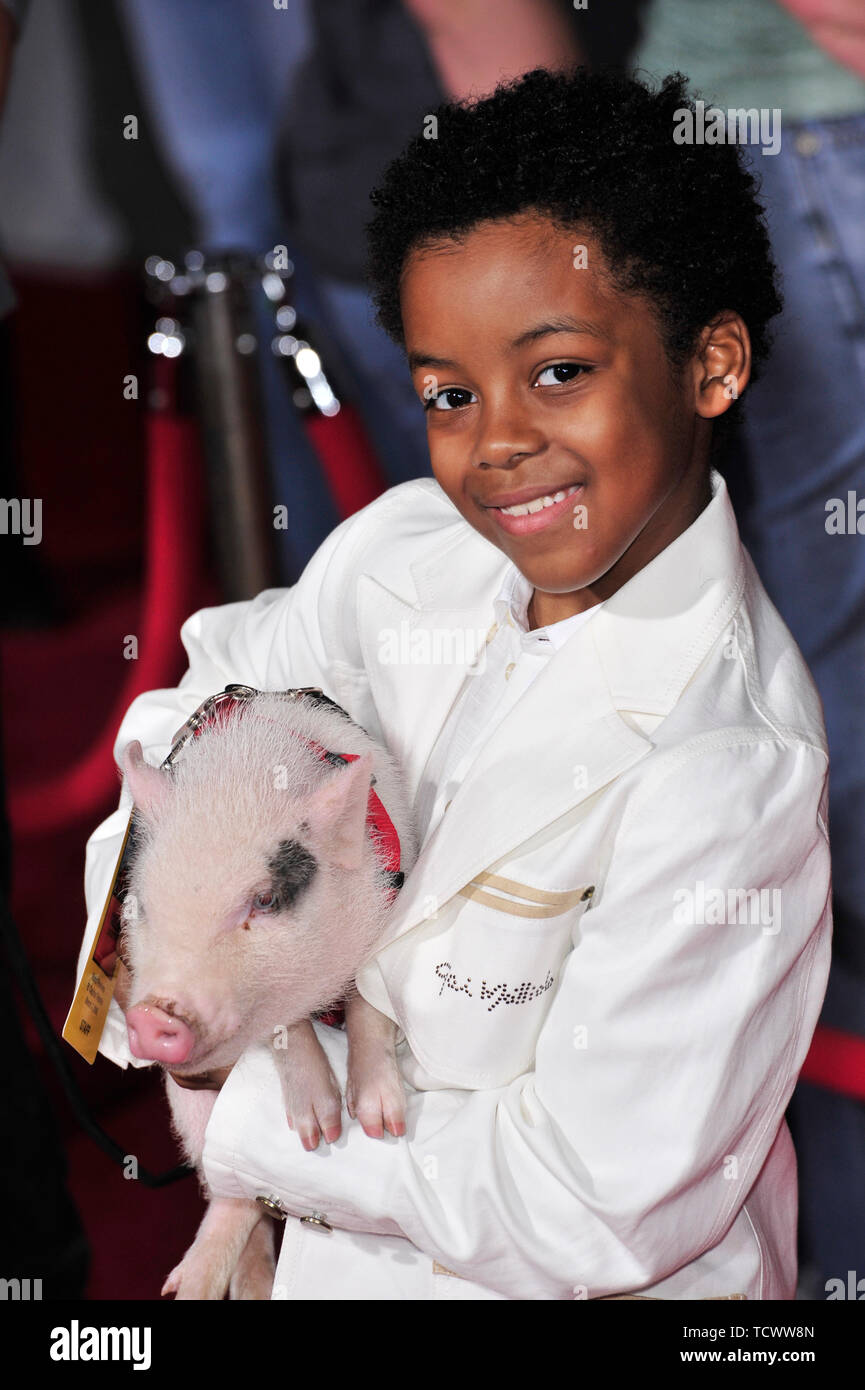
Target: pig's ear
337, 813
149, 787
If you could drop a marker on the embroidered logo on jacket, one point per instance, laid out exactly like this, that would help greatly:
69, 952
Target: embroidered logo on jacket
520, 994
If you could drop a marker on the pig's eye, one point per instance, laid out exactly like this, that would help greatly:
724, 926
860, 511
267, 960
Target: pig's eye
265, 902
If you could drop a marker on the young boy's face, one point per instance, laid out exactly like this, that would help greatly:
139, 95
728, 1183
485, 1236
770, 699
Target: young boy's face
548, 382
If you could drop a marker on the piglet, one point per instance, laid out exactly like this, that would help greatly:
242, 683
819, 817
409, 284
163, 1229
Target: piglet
256, 892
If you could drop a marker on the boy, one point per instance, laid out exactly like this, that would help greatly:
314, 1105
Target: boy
609, 959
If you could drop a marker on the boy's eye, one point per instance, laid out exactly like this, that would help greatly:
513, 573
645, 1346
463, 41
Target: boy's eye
451, 398
456, 397
562, 372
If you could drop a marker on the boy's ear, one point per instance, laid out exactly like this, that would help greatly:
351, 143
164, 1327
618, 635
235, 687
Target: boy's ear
722, 364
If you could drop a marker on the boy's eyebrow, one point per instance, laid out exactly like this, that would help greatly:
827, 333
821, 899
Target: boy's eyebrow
424, 359
540, 330
560, 325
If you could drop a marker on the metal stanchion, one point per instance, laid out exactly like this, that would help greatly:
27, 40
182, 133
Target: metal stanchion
209, 309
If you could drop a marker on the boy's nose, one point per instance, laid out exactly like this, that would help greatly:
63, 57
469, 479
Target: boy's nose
506, 438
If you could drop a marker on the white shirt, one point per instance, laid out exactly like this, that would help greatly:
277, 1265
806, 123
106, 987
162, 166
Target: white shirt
512, 658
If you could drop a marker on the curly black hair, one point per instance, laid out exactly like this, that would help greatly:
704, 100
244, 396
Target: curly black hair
678, 223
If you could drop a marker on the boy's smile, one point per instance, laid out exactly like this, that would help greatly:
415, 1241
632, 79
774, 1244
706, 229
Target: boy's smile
556, 425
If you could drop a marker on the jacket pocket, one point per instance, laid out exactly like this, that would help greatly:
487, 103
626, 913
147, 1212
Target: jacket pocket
472, 986
521, 899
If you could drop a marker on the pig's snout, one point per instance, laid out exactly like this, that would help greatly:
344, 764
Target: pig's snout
157, 1036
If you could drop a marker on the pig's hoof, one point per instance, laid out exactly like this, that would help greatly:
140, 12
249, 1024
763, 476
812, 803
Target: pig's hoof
193, 1285
311, 1131
181, 1285
314, 1116
310, 1091
377, 1100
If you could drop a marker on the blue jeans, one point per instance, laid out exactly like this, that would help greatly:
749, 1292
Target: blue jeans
802, 443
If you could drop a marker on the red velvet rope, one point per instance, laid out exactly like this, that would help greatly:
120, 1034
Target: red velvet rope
837, 1061
172, 570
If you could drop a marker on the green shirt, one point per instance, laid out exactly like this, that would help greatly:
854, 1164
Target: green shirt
749, 53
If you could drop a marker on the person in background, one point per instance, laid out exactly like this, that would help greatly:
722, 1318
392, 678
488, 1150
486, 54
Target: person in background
215, 122
346, 84
799, 452
374, 71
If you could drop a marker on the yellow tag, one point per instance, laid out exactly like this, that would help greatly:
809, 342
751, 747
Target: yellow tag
86, 1018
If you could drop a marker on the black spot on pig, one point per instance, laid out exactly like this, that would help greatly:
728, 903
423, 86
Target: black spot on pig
293, 868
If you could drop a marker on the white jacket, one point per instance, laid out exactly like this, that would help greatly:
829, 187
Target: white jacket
596, 1080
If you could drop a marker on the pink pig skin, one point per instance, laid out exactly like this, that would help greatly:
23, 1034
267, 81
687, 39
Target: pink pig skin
255, 896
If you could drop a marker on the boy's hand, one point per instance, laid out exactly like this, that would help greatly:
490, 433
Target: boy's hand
204, 1081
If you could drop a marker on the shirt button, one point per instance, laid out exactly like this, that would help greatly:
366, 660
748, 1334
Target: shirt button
508, 669
319, 1219
273, 1206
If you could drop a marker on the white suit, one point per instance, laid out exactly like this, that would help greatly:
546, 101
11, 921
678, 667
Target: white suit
596, 1079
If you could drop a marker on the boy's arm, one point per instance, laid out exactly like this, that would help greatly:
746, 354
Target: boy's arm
303, 635
662, 1072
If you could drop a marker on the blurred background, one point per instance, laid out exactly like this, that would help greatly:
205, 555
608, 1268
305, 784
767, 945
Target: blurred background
193, 393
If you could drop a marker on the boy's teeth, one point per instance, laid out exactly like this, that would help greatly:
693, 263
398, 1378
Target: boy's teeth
525, 508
